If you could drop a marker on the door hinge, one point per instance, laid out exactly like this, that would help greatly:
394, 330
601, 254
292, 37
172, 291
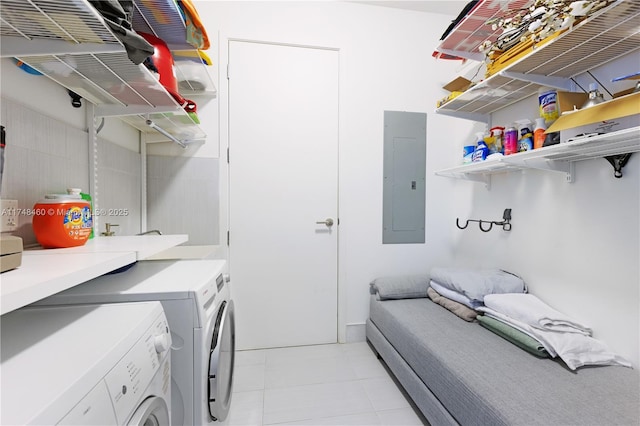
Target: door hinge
227, 155
228, 237
227, 71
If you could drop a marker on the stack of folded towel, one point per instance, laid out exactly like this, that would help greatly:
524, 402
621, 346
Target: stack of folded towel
546, 330
462, 290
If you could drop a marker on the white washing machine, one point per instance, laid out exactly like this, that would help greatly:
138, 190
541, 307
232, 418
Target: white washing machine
86, 365
195, 297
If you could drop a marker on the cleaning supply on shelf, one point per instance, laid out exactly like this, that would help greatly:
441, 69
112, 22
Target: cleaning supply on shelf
62, 220
467, 153
525, 142
538, 133
510, 140
548, 104
595, 97
498, 140
482, 151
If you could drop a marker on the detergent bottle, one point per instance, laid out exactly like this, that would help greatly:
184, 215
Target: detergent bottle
482, 151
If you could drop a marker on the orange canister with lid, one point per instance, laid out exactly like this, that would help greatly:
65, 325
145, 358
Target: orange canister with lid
62, 220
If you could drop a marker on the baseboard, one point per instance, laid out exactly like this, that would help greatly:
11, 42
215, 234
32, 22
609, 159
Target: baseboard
356, 332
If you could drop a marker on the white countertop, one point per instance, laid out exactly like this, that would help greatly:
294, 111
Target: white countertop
44, 272
189, 252
143, 245
42, 276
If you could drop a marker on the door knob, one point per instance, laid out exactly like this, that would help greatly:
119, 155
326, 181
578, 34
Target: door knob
328, 222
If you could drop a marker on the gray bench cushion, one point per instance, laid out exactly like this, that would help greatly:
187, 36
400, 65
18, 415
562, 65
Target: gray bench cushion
483, 379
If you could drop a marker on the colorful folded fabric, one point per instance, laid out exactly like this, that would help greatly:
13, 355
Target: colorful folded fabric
514, 336
196, 33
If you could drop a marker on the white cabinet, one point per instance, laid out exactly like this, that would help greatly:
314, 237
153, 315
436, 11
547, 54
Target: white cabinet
69, 42
606, 35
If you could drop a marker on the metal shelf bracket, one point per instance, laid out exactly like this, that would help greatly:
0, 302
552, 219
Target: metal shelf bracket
543, 80
618, 162
159, 129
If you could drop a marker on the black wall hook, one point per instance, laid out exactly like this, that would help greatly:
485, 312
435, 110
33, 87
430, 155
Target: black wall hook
76, 100
505, 222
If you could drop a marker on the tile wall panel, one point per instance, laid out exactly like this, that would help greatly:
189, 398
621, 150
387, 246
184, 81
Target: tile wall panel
119, 198
183, 197
44, 155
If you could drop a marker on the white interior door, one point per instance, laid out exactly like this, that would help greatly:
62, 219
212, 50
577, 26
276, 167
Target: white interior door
283, 179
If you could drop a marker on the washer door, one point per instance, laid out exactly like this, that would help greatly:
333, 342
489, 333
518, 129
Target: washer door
152, 412
221, 361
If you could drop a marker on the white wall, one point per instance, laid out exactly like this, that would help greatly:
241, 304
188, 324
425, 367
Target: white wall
385, 64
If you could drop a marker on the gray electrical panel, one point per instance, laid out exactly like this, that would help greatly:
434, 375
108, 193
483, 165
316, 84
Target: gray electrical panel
405, 148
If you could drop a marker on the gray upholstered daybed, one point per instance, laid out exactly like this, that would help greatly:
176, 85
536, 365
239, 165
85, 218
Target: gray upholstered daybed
458, 372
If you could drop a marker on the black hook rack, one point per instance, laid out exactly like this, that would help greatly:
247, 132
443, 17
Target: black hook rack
505, 222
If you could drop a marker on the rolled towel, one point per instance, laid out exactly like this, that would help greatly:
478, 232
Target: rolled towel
533, 311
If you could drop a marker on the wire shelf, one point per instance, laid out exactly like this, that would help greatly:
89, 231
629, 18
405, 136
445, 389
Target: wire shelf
606, 35
62, 39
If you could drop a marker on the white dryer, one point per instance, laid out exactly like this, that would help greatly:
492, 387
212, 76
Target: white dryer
196, 300
86, 365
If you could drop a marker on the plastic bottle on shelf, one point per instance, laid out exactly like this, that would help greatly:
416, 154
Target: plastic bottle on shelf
467, 153
538, 133
525, 142
510, 140
498, 136
482, 151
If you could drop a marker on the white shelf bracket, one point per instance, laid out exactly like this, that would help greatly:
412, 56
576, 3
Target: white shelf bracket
564, 167
543, 80
474, 177
483, 118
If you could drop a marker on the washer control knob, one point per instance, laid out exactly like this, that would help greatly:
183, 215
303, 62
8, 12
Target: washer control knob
161, 343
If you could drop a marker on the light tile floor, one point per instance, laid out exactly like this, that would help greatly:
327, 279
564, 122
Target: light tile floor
340, 384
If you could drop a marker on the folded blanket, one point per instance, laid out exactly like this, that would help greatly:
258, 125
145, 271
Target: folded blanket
454, 295
575, 349
513, 335
519, 325
400, 287
458, 309
533, 311
477, 283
